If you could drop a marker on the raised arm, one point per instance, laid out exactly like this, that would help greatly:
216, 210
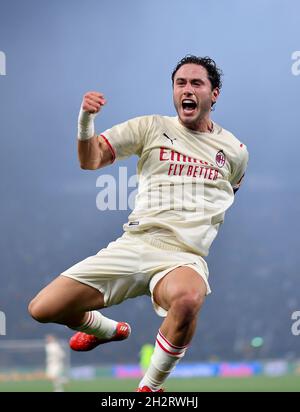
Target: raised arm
93, 151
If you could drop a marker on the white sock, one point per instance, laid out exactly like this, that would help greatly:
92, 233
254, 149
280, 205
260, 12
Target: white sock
58, 385
163, 361
98, 325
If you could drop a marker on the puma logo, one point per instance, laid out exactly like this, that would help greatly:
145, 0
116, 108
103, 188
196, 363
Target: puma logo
170, 138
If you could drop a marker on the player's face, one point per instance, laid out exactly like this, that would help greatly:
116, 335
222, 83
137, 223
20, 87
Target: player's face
193, 95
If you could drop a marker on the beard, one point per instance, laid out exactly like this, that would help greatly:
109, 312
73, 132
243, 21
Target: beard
193, 118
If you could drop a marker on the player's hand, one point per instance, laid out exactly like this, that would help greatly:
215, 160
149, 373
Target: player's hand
93, 102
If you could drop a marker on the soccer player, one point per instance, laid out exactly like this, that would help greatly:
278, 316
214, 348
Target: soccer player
145, 356
189, 168
56, 363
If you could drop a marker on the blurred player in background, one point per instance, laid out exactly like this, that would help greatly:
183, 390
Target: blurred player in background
56, 363
145, 356
189, 168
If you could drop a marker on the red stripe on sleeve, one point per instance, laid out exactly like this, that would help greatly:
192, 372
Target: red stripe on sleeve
113, 152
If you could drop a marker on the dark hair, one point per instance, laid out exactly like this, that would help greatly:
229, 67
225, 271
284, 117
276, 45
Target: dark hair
213, 72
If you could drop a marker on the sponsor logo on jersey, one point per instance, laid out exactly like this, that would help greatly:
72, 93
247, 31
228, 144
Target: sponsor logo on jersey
220, 158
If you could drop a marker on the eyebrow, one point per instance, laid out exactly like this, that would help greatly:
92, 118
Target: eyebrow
198, 79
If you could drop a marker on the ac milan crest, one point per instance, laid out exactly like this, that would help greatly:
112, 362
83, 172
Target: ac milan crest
220, 158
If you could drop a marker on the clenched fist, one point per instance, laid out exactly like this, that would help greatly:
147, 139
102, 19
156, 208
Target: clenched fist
90, 106
93, 102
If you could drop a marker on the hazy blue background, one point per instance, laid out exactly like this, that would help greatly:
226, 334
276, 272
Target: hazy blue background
58, 50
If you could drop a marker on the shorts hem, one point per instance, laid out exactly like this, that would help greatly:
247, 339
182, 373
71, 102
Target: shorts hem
156, 278
86, 282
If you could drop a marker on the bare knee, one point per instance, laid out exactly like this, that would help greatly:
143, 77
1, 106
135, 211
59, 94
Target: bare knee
39, 311
186, 306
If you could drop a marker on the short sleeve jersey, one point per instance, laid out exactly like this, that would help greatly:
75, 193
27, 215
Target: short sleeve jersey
187, 179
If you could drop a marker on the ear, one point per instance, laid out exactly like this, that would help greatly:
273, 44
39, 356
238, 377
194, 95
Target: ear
215, 94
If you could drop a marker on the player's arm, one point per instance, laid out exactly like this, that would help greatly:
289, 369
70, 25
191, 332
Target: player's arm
238, 184
240, 168
93, 151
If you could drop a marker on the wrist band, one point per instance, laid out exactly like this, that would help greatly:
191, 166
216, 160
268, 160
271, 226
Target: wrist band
86, 129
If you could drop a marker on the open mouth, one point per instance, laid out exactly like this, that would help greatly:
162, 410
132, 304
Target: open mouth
188, 106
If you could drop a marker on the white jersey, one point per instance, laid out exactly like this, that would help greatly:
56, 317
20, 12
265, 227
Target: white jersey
55, 359
186, 178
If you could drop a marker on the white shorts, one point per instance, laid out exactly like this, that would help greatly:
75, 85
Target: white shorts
55, 370
132, 265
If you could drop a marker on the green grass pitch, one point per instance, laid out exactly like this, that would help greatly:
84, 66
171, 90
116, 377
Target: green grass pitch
251, 384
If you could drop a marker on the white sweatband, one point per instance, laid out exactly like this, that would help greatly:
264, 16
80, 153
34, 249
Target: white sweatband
86, 128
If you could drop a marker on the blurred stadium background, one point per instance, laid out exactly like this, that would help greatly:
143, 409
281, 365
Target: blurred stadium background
57, 50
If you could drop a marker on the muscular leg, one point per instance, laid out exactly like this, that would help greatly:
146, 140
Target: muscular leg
72, 303
65, 301
181, 292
